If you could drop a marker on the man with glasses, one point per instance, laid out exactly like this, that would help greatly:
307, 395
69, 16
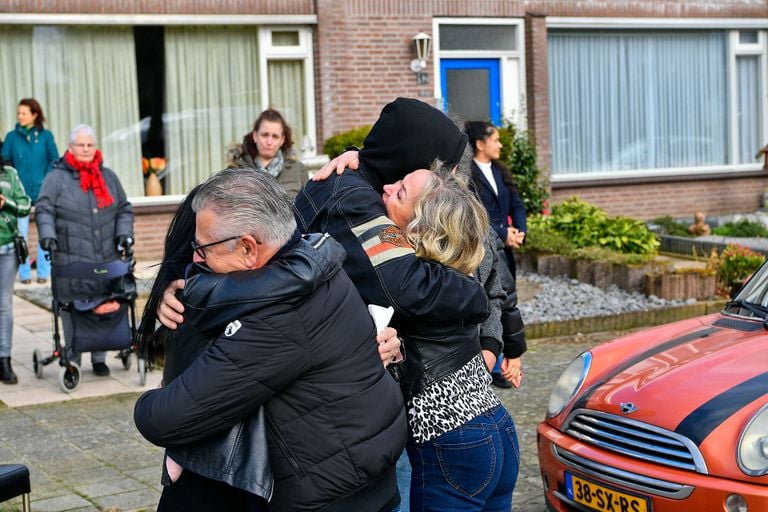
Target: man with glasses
294, 337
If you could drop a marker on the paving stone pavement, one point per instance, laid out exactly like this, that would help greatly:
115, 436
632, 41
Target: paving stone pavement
85, 454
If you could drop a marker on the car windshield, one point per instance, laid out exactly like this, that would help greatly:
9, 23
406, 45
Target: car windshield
752, 299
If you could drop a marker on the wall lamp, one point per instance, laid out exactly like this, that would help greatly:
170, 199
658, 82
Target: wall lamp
421, 41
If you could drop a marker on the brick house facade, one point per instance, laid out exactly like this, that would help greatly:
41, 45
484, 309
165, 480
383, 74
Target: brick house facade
360, 55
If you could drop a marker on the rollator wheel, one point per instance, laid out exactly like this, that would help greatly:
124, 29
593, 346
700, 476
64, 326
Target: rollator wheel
142, 366
37, 363
69, 377
126, 359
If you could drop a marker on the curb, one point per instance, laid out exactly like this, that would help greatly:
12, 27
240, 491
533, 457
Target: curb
623, 321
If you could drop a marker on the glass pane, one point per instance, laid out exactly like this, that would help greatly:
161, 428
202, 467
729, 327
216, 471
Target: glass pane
478, 37
286, 94
637, 100
748, 36
286, 38
467, 93
749, 119
78, 74
212, 98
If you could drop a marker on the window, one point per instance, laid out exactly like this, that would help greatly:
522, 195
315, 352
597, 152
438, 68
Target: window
642, 101
79, 75
179, 91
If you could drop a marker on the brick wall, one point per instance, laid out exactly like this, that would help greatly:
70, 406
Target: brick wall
537, 87
364, 48
677, 199
159, 7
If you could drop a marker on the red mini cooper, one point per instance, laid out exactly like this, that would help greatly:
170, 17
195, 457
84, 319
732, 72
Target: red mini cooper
673, 418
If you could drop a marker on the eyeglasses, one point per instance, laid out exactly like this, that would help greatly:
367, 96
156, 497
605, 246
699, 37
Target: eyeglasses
200, 249
84, 146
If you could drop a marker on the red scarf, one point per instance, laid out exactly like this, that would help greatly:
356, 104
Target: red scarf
91, 177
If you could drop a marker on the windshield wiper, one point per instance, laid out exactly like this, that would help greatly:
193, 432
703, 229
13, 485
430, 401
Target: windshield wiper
758, 309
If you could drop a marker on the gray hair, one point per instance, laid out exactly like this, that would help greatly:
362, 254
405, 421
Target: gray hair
83, 129
461, 171
250, 202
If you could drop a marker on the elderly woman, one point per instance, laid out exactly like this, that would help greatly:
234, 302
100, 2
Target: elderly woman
83, 215
269, 148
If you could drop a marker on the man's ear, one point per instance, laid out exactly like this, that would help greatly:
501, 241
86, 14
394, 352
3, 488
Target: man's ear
251, 248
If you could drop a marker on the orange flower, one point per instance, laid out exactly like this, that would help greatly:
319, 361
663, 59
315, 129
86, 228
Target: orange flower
157, 164
152, 165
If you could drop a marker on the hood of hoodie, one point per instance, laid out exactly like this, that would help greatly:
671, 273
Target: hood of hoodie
409, 135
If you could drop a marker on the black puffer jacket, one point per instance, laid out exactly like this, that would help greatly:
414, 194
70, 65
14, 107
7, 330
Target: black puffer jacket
83, 232
335, 420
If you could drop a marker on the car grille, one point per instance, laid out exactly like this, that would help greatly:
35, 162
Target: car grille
635, 439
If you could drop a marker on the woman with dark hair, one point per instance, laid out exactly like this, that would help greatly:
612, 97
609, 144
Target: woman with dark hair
269, 148
177, 254
30, 149
496, 189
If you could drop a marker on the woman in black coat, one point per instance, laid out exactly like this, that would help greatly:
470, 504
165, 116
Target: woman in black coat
496, 188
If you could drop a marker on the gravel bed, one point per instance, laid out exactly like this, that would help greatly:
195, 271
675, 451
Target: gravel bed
561, 298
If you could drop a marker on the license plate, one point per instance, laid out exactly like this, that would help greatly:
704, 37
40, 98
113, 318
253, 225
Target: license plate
605, 499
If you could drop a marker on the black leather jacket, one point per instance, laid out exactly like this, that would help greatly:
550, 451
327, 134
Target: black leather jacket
298, 344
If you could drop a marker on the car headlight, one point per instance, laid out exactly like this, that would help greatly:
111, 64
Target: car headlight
753, 445
568, 384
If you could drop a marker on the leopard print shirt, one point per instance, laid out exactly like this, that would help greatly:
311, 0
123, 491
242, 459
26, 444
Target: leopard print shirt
452, 401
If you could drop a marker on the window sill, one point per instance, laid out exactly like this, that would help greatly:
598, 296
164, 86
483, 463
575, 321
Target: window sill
590, 180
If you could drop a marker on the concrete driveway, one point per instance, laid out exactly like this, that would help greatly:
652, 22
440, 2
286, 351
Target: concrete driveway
85, 454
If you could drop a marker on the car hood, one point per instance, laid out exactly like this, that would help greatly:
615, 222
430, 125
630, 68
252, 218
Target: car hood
690, 381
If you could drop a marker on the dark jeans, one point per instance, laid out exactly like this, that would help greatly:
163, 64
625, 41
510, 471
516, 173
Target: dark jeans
471, 468
197, 493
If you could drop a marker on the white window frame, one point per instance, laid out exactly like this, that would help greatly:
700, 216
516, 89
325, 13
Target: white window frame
513, 96
731, 26
303, 52
739, 49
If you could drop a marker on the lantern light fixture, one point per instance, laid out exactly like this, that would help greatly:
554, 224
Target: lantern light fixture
422, 43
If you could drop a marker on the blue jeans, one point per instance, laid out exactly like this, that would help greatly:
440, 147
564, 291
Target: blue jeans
43, 265
403, 482
7, 278
471, 468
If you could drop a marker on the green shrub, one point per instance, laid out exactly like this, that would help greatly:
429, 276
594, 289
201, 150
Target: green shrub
335, 145
540, 237
586, 225
518, 152
743, 228
734, 264
672, 227
603, 254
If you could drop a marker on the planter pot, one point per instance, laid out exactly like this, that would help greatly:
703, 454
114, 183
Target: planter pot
153, 187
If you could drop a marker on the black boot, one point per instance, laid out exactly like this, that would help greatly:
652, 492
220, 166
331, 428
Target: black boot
6, 372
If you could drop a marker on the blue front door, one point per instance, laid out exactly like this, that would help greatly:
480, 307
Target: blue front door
471, 89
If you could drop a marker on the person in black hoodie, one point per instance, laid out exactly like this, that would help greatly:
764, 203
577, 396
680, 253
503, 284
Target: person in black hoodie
293, 336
